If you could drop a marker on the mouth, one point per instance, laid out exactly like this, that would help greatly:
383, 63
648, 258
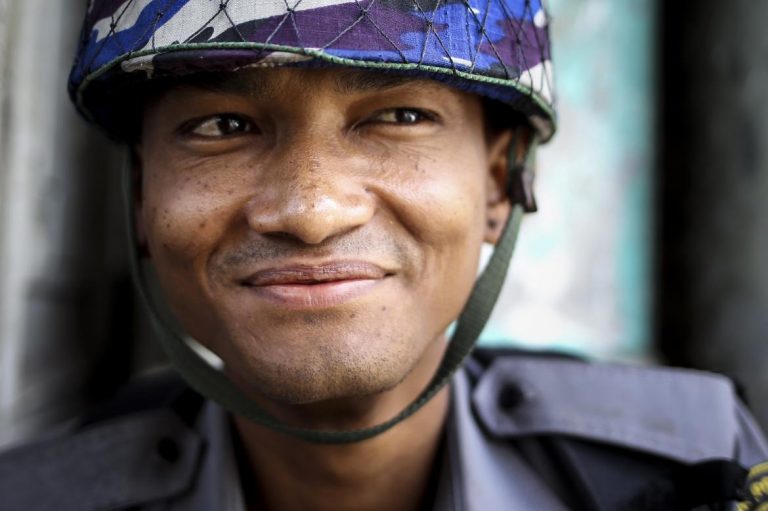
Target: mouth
316, 286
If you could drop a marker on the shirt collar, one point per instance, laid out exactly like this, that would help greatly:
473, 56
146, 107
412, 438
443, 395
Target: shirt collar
218, 484
477, 472
481, 472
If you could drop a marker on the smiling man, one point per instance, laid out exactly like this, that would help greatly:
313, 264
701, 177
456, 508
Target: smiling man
296, 230
311, 184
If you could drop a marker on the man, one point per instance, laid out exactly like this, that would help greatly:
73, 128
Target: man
312, 184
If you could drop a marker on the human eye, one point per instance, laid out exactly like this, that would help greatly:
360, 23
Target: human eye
217, 127
403, 116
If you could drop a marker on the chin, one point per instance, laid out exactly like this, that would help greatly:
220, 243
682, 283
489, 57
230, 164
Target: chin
324, 368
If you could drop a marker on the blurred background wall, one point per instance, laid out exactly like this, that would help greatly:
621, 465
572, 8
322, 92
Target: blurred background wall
649, 245
582, 278
712, 293
60, 264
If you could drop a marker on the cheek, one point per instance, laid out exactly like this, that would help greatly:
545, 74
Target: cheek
443, 206
188, 209
176, 227
446, 199
185, 210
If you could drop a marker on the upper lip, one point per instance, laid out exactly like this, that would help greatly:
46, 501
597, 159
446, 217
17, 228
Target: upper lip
316, 273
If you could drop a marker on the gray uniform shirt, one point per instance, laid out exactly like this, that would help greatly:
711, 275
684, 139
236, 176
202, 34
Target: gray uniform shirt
151, 460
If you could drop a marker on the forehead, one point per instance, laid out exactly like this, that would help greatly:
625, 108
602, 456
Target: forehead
279, 81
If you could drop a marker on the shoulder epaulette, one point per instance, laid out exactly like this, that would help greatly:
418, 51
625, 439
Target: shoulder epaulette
684, 415
131, 453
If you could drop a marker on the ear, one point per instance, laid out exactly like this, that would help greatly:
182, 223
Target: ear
498, 204
137, 172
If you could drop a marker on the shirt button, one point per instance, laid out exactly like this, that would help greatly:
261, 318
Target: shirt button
168, 450
511, 396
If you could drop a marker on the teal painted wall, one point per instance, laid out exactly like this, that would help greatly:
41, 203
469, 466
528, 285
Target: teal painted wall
581, 279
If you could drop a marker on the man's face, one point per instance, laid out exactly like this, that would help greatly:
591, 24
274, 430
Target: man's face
318, 230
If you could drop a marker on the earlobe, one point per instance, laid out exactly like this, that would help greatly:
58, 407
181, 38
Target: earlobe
495, 223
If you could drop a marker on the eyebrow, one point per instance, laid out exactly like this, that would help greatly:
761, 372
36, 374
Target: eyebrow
230, 83
346, 82
351, 81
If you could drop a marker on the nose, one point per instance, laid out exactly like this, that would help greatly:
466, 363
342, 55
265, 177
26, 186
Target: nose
311, 193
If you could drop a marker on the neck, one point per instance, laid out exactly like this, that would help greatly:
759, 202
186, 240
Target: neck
389, 471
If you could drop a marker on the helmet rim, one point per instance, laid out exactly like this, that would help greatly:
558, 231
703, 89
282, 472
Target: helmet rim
506, 57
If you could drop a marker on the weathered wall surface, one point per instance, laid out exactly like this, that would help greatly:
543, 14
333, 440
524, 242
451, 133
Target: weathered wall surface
582, 275
54, 271
714, 279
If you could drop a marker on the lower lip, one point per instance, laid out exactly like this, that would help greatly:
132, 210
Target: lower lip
316, 296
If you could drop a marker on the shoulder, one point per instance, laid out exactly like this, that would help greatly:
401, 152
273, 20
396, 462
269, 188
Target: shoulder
681, 414
137, 448
654, 424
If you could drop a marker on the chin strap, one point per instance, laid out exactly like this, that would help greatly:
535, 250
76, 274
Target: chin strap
213, 384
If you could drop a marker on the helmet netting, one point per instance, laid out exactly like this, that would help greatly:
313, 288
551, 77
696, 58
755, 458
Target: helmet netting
497, 48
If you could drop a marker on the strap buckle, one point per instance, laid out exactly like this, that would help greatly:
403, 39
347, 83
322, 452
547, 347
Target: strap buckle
521, 173
520, 186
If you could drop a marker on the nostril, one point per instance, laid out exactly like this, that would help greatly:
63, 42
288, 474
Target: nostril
282, 236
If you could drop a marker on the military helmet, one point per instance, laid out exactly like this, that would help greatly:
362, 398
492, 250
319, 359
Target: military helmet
495, 48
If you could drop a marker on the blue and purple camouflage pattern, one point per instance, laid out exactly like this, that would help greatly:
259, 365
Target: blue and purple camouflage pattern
496, 48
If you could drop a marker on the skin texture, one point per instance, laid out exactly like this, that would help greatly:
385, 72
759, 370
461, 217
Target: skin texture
319, 230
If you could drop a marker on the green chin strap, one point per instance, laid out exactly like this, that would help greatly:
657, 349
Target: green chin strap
213, 384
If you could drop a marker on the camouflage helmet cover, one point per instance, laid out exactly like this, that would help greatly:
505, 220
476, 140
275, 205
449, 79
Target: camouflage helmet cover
495, 48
